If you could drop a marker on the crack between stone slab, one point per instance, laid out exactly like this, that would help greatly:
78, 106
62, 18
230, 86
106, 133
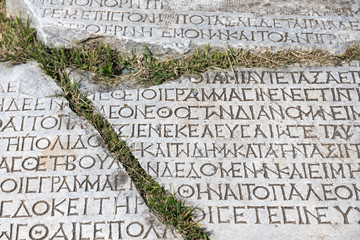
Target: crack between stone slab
125, 167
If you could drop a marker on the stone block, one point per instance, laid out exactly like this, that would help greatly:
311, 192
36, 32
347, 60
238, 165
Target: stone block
57, 179
263, 153
175, 27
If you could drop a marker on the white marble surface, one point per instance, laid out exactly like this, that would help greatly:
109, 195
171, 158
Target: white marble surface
57, 180
265, 153
172, 27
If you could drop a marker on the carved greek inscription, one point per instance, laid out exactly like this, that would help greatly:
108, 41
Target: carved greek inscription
57, 181
254, 147
181, 25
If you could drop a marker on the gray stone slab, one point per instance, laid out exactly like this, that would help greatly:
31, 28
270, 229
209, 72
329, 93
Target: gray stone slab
57, 179
177, 26
264, 153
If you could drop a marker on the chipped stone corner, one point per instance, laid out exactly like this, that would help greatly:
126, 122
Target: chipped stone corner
32, 80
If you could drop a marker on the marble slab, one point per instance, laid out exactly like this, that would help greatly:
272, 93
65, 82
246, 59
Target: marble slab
263, 153
57, 179
173, 27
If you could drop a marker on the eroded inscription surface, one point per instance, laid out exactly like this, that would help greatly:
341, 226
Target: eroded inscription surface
173, 26
263, 152
57, 180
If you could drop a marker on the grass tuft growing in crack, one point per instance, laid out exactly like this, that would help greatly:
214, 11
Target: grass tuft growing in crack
170, 209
